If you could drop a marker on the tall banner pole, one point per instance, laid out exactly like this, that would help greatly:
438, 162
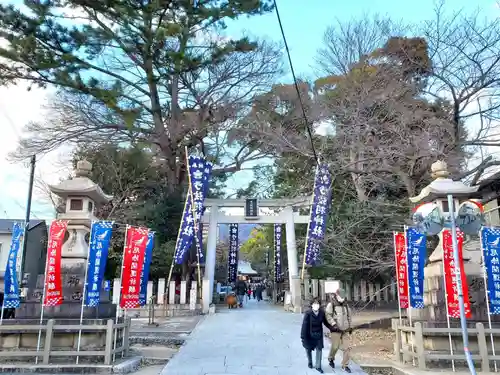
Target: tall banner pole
410, 319
484, 269
309, 225
84, 291
441, 235
195, 221
458, 274
394, 234
120, 292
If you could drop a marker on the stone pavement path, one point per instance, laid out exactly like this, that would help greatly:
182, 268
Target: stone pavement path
259, 339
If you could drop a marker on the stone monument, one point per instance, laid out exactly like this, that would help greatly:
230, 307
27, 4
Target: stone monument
434, 312
82, 197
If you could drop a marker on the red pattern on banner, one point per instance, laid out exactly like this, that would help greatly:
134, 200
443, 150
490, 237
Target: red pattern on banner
53, 282
401, 269
450, 278
133, 261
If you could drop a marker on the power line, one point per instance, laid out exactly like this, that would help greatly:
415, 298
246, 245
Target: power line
308, 127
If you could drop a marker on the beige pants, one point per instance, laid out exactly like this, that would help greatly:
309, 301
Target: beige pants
340, 342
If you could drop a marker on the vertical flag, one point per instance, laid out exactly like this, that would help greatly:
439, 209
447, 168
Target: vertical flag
416, 253
53, 283
100, 238
148, 256
232, 270
450, 275
319, 214
133, 262
187, 230
12, 298
401, 269
490, 238
278, 277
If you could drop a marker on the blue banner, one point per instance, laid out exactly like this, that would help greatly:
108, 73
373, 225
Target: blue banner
278, 277
416, 243
100, 238
319, 213
12, 299
148, 256
490, 238
232, 259
200, 171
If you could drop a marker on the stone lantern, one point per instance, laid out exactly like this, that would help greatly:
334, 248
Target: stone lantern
82, 197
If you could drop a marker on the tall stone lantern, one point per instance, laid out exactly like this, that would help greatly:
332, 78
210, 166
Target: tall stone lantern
434, 312
82, 197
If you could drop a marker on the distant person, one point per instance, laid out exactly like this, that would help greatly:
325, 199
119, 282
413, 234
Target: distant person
259, 290
311, 333
249, 293
241, 290
338, 315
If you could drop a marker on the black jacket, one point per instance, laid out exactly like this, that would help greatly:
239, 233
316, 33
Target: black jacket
312, 329
241, 288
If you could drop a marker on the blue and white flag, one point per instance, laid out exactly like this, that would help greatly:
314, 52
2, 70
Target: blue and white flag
12, 298
490, 238
278, 277
100, 238
319, 213
232, 259
148, 256
200, 171
416, 243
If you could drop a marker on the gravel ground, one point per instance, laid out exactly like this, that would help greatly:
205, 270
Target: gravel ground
373, 345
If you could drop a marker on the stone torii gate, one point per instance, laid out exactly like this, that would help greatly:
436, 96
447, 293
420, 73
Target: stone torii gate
287, 216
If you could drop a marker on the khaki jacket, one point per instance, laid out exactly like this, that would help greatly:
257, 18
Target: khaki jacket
338, 315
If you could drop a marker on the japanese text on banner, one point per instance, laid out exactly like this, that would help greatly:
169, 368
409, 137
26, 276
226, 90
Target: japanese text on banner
53, 282
401, 269
416, 253
490, 243
187, 228
233, 253
451, 276
148, 256
12, 299
133, 261
100, 237
278, 277
319, 214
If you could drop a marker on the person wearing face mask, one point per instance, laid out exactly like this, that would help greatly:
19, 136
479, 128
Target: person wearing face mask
312, 333
338, 315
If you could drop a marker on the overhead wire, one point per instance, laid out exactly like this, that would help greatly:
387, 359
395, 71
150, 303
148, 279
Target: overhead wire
301, 102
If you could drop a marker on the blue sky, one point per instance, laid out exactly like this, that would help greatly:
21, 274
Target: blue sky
304, 23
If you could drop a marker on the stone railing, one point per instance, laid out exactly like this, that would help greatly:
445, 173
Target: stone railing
361, 291
58, 341
425, 346
163, 302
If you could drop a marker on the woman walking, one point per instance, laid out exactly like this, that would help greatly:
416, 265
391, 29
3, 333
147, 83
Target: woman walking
312, 333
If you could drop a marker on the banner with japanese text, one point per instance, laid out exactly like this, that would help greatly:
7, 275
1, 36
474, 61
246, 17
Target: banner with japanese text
278, 276
416, 246
100, 238
319, 214
200, 171
401, 268
12, 298
53, 278
490, 243
232, 270
133, 262
450, 274
148, 256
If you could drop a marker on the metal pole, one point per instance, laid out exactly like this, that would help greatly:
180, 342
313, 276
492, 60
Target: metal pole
463, 321
397, 277
409, 310
27, 217
450, 341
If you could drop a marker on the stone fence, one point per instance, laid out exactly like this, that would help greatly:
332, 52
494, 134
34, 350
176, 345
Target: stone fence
360, 291
430, 346
56, 341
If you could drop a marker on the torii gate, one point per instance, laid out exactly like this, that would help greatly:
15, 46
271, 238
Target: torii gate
287, 216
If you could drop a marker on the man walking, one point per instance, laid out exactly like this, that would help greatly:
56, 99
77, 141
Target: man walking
338, 315
241, 290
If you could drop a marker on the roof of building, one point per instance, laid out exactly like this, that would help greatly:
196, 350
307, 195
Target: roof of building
7, 224
245, 268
